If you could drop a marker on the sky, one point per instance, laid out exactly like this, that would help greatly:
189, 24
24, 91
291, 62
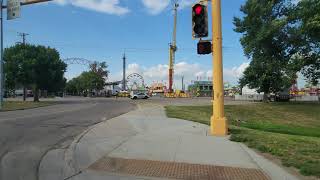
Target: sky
102, 30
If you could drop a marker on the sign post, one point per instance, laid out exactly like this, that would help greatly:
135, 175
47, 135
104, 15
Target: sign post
1, 56
13, 9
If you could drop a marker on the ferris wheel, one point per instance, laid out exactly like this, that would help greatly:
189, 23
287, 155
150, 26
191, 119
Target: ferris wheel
135, 81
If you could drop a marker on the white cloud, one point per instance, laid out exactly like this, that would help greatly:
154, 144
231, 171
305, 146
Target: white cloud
103, 6
155, 6
186, 3
236, 72
191, 72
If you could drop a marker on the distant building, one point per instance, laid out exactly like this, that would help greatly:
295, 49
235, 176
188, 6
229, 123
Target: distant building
247, 91
112, 88
158, 88
201, 88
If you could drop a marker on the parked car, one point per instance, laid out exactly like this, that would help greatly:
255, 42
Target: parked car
139, 96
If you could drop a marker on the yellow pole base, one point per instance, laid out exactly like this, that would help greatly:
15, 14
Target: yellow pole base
219, 127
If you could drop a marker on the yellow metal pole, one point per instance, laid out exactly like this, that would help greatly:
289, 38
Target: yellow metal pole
219, 125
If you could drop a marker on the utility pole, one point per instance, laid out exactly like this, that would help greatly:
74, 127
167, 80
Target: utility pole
124, 73
182, 81
173, 47
219, 125
23, 35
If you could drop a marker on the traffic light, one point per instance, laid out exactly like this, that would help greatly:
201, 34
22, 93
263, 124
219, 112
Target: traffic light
204, 47
199, 21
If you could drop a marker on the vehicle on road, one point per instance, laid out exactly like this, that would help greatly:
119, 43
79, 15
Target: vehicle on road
139, 96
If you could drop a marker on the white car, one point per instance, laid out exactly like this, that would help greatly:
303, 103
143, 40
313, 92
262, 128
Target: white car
140, 96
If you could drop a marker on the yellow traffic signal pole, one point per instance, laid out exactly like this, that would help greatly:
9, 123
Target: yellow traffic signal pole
219, 125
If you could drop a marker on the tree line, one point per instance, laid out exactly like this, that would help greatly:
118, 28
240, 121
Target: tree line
33, 67
39, 68
280, 38
89, 83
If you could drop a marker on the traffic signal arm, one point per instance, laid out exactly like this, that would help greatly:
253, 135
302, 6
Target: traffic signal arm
28, 2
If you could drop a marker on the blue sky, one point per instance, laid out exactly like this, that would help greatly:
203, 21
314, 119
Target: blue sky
103, 29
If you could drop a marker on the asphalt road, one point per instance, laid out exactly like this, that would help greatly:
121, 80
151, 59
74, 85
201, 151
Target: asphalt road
25, 136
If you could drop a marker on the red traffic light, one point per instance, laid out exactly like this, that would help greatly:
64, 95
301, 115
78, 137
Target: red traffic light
199, 21
198, 9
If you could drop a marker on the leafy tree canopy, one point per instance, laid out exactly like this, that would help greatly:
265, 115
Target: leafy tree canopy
264, 30
280, 38
39, 67
88, 81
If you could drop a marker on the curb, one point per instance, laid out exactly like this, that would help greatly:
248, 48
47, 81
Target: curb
61, 163
271, 169
65, 169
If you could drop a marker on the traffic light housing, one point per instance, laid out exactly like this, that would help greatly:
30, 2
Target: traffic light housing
199, 21
204, 47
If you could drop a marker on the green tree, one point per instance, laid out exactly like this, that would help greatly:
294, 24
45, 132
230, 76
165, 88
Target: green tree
264, 29
92, 81
99, 73
100, 69
11, 70
305, 37
89, 81
17, 67
49, 70
36, 66
72, 87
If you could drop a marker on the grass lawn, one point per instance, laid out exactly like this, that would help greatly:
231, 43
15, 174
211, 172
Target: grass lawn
20, 105
289, 131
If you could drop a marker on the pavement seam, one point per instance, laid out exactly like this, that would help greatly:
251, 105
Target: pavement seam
74, 175
47, 151
253, 159
124, 141
177, 147
1, 159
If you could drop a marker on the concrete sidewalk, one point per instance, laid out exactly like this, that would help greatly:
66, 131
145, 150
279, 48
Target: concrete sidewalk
145, 144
